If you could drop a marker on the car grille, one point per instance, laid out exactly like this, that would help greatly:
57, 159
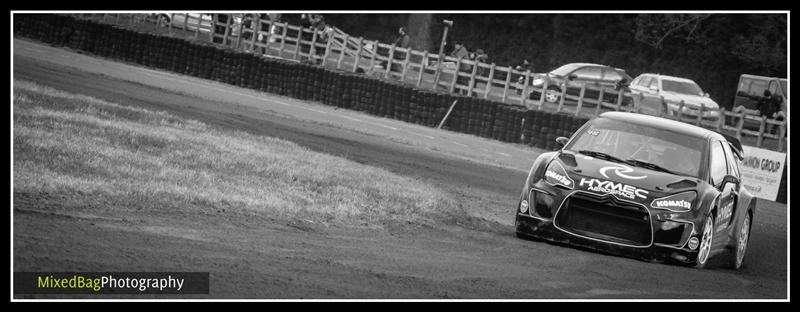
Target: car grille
607, 219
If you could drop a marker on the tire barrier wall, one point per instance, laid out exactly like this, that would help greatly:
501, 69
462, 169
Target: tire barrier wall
385, 98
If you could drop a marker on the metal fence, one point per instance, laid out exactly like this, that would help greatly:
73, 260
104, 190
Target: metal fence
336, 49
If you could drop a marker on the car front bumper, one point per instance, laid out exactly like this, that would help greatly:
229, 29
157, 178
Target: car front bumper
669, 232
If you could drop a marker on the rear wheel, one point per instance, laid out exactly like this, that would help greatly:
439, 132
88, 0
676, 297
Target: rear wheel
737, 259
705, 243
162, 20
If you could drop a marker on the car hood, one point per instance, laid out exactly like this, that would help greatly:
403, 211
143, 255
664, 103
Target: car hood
692, 100
622, 181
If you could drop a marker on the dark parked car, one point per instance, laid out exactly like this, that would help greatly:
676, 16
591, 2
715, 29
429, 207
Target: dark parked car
573, 76
641, 186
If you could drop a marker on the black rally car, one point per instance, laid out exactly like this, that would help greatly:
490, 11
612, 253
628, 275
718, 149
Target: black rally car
641, 186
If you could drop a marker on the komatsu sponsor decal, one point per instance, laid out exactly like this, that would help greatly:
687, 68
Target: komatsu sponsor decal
666, 203
560, 178
680, 202
555, 174
613, 188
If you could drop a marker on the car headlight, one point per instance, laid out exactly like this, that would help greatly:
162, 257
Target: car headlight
681, 202
555, 174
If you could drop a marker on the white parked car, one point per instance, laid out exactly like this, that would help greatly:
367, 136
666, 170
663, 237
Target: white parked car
675, 90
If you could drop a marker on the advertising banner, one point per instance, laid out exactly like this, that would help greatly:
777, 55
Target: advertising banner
762, 171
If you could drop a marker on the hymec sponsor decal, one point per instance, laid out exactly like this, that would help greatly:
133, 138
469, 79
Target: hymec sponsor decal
724, 215
613, 188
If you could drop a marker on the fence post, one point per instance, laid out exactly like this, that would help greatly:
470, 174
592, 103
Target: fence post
327, 50
761, 131
620, 94
740, 125
284, 32
227, 30
372, 58
196, 29
580, 101
599, 101
405, 65
563, 97
169, 24
781, 135
437, 74
256, 32
341, 52
455, 76
721, 119
472, 78
312, 51
542, 93
700, 115
213, 32
241, 33
358, 54
299, 43
680, 111
489, 81
422, 67
389, 62
506, 85
524, 98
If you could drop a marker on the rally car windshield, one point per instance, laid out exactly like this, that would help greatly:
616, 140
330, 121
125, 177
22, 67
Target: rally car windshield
641, 146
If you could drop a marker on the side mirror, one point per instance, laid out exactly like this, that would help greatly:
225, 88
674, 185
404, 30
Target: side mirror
562, 141
705, 94
730, 179
654, 88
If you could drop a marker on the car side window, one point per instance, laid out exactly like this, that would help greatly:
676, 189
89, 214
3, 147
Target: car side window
645, 82
593, 73
773, 87
733, 164
757, 87
611, 75
719, 163
654, 82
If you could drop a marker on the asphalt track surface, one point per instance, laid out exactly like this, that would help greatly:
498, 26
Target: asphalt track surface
473, 258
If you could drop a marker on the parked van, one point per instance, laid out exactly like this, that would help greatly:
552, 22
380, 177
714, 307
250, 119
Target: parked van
751, 90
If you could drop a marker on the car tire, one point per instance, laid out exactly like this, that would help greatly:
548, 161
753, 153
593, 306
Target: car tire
162, 20
552, 95
742, 237
704, 250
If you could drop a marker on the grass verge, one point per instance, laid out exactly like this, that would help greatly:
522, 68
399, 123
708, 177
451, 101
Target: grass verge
139, 160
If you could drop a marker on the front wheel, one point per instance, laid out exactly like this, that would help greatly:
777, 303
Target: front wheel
737, 259
705, 243
552, 95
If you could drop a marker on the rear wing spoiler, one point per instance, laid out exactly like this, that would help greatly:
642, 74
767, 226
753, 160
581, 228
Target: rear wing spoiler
735, 144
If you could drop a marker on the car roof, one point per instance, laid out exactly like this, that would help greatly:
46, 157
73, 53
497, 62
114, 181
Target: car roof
572, 66
670, 77
760, 77
663, 123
